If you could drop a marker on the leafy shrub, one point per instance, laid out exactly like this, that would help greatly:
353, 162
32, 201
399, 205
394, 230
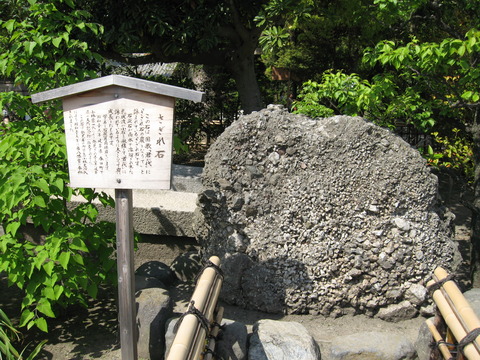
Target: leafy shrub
9, 335
76, 255
455, 152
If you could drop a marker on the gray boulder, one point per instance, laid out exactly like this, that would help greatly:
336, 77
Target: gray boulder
398, 312
326, 214
154, 308
423, 344
143, 282
416, 294
473, 298
281, 340
158, 270
231, 343
187, 265
372, 346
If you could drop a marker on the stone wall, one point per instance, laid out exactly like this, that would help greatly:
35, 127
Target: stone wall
326, 216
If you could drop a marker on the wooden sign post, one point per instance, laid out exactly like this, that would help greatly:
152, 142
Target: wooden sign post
119, 133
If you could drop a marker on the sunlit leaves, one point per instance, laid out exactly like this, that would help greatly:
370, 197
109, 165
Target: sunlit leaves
46, 48
38, 41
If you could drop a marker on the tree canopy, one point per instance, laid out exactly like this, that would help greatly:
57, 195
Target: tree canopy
206, 32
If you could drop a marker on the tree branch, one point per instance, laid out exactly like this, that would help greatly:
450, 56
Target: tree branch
213, 57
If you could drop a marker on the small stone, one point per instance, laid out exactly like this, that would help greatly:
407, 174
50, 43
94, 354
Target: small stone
224, 184
397, 312
416, 294
419, 254
402, 224
274, 340
274, 157
250, 211
237, 203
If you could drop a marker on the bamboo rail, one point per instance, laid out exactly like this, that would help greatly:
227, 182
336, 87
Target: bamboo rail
457, 313
213, 335
190, 339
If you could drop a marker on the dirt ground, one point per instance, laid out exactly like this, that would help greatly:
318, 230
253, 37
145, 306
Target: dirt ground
92, 333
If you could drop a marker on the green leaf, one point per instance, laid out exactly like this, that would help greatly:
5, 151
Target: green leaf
40, 258
63, 259
41, 323
78, 259
81, 25
59, 183
43, 185
49, 293
34, 353
48, 267
78, 244
29, 46
45, 308
467, 95
12, 227
9, 25
59, 65
26, 316
56, 41
92, 290
38, 200
58, 289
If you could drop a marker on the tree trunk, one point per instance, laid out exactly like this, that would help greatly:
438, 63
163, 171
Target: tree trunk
476, 204
242, 67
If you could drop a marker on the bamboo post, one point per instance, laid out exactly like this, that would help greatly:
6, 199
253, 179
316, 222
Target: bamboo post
447, 355
125, 271
214, 334
189, 341
457, 313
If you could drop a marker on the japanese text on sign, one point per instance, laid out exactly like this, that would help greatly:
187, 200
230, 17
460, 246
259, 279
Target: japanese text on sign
117, 145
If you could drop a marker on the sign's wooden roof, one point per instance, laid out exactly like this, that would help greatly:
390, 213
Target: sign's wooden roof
119, 80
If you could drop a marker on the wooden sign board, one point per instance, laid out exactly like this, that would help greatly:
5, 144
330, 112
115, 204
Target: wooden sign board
122, 141
119, 131
119, 134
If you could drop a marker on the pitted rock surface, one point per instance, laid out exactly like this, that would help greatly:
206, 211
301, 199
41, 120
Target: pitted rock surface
325, 216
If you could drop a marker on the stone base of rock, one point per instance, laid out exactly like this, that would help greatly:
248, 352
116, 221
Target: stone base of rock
153, 309
276, 340
372, 345
161, 212
231, 344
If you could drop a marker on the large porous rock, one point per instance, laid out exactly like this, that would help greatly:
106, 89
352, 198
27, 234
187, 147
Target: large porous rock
320, 216
278, 340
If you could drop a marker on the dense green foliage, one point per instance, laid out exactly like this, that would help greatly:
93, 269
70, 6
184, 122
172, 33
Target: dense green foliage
46, 49
428, 79
9, 337
432, 85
